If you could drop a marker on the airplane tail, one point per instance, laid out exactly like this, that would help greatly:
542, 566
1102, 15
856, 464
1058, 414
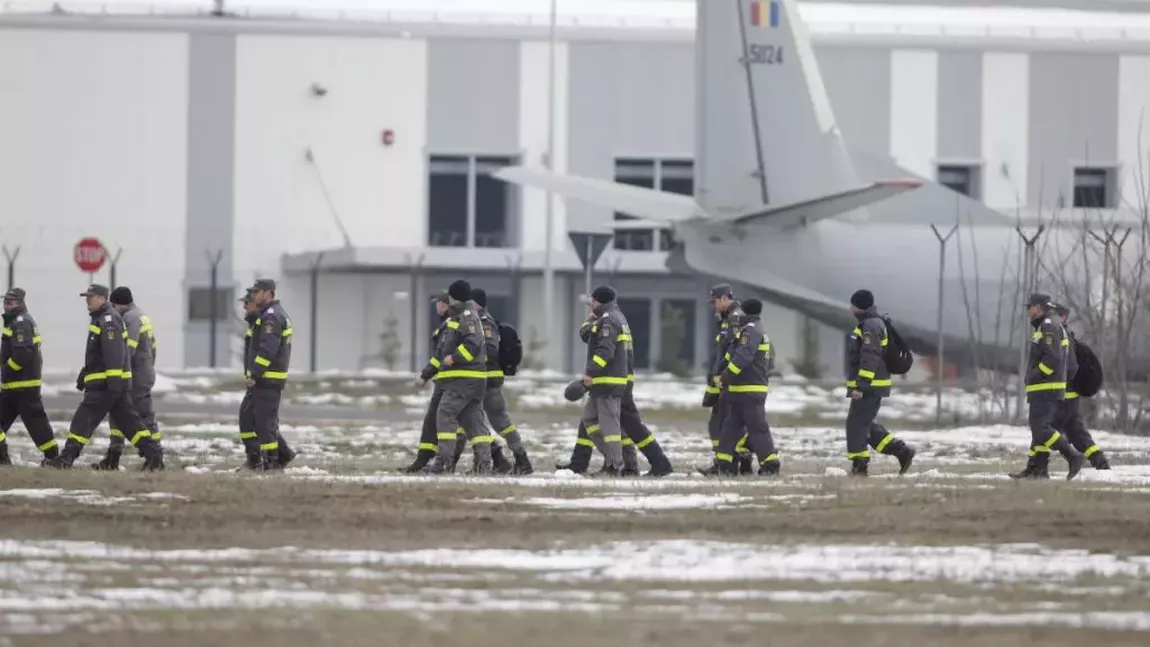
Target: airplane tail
765, 131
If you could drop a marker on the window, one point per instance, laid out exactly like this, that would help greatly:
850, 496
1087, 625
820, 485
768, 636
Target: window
466, 206
963, 178
638, 313
1094, 188
200, 304
673, 176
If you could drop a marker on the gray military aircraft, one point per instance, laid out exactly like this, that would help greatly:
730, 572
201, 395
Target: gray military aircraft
785, 204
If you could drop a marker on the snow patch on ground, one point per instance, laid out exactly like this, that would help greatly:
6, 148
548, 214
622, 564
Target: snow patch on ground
88, 497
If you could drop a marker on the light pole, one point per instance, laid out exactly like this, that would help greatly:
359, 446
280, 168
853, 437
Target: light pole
549, 213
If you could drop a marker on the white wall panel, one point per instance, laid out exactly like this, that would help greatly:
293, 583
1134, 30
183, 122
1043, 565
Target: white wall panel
534, 92
378, 192
1134, 130
93, 142
1005, 128
914, 110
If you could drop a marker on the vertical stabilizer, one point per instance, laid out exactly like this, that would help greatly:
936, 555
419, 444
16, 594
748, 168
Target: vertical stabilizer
765, 131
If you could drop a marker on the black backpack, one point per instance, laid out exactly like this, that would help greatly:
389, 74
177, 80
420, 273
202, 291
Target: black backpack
510, 349
1087, 381
897, 354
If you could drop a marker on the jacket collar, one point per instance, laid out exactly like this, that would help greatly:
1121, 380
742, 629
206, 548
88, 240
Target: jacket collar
102, 310
869, 313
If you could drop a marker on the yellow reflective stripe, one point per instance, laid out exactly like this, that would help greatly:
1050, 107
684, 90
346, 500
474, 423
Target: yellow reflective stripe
263, 361
20, 384
884, 342
48, 445
881, 383
609, 380
770, 458
1053, 439
491, 374
857, 331
717, 338
36, 340
446, 435
507, 430
453, 324
466, 354
115, 372
591, 429
734, 369
727, 356
115, 433
270, 447
92, 377
630, 377
714, 444
1045, 386
584, 442
482, 440
646, 441
1066, 343
94, 328
132, 343
1036, 335
863, 454
599, 361
865, 374
248, 332
623, 337
428, 447
748, 388
1070, 395
15, 367
3, 437
852, 383
157, 435
884, 442
247, 373
627, 442
613, 439
434, 362
286, 332
741, 446
766, 348
1091, 450
78, 438
1046, 370
7, 331
140, 435
274, 375
244, 435
726, 458
482, 375
712, 389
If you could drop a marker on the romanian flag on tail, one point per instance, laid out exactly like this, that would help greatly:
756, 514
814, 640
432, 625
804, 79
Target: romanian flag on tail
766, 13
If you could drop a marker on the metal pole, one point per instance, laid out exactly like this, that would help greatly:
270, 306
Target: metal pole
313, 343
587, 270
1029, 278
213, 311
548, 262
941, 301
12, 256
112, 267
415, 301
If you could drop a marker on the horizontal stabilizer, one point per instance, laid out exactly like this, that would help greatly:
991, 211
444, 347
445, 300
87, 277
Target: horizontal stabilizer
635, 201
828, 206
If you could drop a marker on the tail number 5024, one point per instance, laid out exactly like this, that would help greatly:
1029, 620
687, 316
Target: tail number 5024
765, 54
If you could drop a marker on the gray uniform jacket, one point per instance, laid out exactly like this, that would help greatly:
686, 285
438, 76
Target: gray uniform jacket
141, 347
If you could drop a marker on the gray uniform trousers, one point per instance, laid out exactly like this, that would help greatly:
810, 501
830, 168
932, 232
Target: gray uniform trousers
495, 406
141, 397
461, 408
601, 420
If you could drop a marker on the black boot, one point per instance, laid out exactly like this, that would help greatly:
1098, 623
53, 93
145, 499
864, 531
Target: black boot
713, 470
499, 462
460, 442
522, 464
905, 458
630, 463
438, 465
746, 464
770, 468
421, 459
153, 460
110, 462
580, 460
1036, 468
4, 458
271, 461
254, 463
609, 471
660, 464
286, 454
64, 461
1098, 461
859, 467
1074, 460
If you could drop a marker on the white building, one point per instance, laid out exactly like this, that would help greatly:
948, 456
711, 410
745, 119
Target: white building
177, 136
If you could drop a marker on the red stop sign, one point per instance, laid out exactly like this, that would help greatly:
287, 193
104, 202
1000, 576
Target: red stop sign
89, 253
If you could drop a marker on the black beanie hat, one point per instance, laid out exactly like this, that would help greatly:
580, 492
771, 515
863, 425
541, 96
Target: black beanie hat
479, 296
862, 299
603, 294
460, 290
121, 296
753, 306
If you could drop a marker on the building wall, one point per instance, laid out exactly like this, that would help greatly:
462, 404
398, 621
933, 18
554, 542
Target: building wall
93, 142
190, 144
